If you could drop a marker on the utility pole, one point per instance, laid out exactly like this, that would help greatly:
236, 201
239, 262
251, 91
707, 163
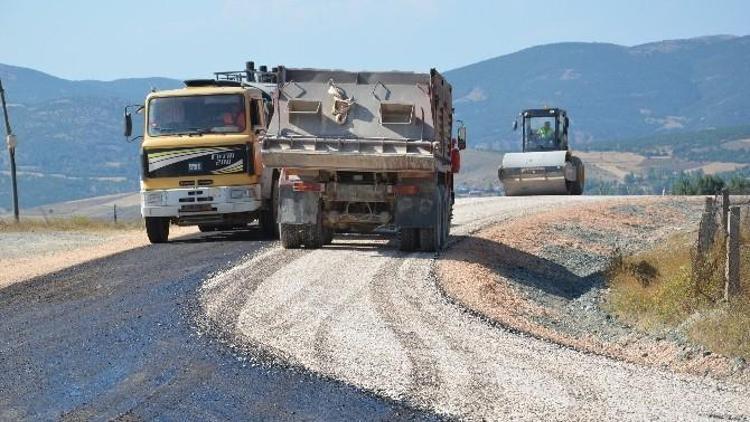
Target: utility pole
11, 141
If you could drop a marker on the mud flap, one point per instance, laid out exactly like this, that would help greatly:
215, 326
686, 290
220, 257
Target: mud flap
298, 207
416, 211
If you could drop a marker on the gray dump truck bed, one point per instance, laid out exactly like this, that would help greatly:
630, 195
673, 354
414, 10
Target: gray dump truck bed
366, 121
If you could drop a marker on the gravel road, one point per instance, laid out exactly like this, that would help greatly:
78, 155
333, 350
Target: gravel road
366, 314
225, 326
115, 338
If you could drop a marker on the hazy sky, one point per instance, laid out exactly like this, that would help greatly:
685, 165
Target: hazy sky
191, 38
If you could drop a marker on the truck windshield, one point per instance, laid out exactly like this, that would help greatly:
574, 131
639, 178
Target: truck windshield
196, 114
540, 134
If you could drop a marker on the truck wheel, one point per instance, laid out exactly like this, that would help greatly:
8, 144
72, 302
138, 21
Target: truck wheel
157, 229
291, 235
409, 238
269, 217
314, 236
206, 228
430, 238
446, 216
327, 236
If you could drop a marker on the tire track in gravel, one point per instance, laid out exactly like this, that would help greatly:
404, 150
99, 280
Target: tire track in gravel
366, 314
425, 378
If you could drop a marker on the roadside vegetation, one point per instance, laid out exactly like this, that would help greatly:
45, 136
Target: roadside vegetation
700, 145
659, 181
700, 184
66, 224
659, 291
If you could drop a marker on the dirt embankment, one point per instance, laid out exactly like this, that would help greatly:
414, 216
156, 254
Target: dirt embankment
543, 275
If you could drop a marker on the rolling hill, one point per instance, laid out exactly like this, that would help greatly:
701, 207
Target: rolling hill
682, 99
70, 135
610, 91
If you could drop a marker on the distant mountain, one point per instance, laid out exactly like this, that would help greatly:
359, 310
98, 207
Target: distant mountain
610, 91
70, 135
71, 144
28, 86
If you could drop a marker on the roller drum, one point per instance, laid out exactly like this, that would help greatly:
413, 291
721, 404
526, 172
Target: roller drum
538, 173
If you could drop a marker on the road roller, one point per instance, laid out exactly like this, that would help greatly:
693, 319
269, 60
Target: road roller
547, 165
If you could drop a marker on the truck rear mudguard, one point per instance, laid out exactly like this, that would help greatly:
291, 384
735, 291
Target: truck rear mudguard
417, 211
298, 207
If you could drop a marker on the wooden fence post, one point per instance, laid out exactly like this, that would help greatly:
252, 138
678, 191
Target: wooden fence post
732, 269
724, 210
707, 228
706, 234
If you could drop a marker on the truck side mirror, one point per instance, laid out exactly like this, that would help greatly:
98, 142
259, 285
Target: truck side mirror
515, 124
128, 125
462, 137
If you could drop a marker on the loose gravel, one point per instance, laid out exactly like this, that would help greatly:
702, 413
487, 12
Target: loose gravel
114, 339
364, 313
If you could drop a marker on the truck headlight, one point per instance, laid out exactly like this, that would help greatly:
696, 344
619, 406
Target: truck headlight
239, 193
154, 198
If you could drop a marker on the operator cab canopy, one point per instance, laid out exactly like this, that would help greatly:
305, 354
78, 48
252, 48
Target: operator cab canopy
544, 129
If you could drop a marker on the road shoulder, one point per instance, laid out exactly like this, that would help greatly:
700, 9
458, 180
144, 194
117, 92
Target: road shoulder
29, 254
543, 275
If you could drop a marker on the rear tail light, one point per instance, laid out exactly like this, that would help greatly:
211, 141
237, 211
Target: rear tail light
300, 186
404, 189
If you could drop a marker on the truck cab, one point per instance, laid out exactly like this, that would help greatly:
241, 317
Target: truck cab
200, 158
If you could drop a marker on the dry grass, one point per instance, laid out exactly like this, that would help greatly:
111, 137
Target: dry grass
725, 330
67, 224
658, 289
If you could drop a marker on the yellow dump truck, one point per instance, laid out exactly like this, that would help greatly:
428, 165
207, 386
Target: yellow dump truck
200, 156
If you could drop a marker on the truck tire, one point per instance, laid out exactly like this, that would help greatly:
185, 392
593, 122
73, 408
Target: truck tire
430, 238
291, 235
205, 228
447, 210
327, 236
157, 229
409, 239
268, 219
315, 234
313, 238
